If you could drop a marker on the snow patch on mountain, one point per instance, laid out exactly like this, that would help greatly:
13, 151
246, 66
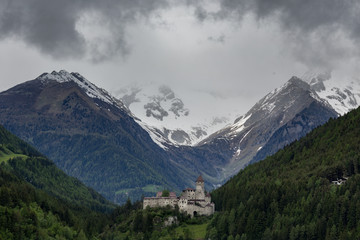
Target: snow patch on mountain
239, 125
154, 134
342, 94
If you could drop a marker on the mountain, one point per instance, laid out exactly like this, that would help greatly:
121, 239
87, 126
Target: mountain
308, 190
90, 135
39, 201
282, 116
173, 117
94, 137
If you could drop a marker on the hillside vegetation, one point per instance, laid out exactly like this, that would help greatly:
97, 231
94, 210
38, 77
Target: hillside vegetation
28, 164
291, 195
39, 201
130, 221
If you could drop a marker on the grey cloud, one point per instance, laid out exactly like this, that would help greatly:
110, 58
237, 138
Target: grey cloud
51, 25
219, 39
304, 15
311, 27
200, 13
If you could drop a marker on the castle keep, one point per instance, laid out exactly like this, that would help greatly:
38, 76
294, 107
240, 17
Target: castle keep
192, 201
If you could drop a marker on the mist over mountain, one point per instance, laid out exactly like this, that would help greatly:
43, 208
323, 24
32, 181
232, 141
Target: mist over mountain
176, 116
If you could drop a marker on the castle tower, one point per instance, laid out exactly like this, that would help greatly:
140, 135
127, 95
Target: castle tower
200, 189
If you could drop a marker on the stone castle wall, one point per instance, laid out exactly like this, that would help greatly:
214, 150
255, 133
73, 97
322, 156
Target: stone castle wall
192, 201
160, 202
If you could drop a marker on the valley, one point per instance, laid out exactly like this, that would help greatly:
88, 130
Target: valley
179, 120
288, 195
87, 132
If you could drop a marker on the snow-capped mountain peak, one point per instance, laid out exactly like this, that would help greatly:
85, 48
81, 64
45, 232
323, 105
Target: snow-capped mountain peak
89, 88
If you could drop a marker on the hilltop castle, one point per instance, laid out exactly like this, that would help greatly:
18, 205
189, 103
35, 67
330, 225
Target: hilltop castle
192, 201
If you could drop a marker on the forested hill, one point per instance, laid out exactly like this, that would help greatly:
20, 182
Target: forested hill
291, 195
39, 201
28, 164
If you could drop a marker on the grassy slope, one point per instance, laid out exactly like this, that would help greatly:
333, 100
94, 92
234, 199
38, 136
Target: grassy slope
6, 154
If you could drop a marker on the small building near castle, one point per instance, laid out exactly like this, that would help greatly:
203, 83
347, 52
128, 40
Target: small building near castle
194, 202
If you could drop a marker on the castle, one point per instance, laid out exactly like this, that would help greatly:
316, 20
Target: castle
192, 201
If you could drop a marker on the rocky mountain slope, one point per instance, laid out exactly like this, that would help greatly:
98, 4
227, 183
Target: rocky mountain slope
282, 116
90, 135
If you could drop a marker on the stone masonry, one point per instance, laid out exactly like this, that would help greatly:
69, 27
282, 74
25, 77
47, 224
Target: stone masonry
192, 201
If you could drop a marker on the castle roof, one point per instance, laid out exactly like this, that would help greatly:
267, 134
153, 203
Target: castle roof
200, 179
171, 194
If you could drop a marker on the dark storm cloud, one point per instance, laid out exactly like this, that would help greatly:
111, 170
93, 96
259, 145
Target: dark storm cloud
51, 25
314, 29
304, 15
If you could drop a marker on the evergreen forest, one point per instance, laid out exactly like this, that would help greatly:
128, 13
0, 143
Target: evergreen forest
308, 190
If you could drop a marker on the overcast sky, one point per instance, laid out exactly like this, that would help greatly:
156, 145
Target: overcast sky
236, 48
